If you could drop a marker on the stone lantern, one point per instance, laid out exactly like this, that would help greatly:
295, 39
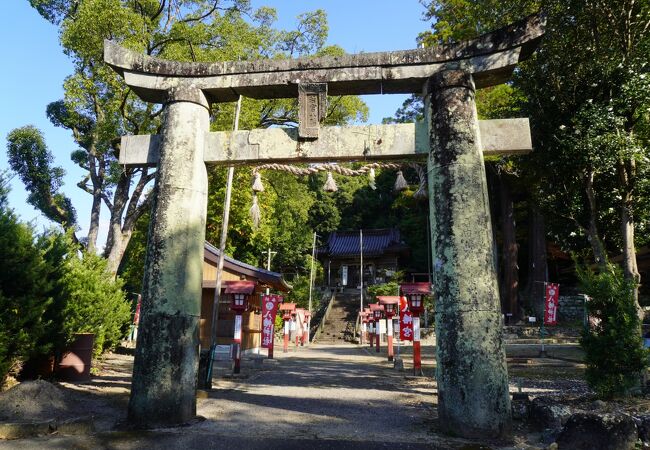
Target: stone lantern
287, 310
240, 293
390, 304
377, 311
415, 294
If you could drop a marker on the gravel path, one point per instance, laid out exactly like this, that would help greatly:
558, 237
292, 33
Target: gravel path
324, 392
323, 396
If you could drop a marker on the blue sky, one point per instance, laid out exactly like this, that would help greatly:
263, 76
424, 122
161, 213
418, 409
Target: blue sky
36, 68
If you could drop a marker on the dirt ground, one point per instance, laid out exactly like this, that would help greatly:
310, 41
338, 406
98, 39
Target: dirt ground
320, 396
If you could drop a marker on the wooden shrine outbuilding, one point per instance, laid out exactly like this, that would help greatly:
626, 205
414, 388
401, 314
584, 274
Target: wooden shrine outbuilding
234, 271
383, 255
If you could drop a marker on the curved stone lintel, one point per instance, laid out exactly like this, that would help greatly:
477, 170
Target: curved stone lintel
490, 58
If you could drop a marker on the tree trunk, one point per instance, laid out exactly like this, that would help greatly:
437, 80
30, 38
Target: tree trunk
627, 171
96, 179
116, 252
510, 274
93, 229
537, 260
592, 232
125, 212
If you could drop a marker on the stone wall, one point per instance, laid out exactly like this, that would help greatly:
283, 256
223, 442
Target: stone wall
533, 332
571, 308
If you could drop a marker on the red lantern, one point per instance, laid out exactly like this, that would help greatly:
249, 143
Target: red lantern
371, 326
377, 311
415, 294
287, 310
239, 291
390, 304
305, 330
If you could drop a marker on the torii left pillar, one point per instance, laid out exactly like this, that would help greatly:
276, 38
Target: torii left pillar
163, 390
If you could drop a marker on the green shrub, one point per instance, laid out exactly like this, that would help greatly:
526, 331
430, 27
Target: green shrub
94, 301
375, 290
23, 292
614, 349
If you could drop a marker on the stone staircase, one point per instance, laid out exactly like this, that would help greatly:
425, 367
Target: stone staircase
339, 326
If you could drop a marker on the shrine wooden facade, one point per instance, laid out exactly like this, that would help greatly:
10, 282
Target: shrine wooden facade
234, 270
383, 255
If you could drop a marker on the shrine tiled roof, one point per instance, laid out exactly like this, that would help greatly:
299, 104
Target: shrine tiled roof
273, 279
376, 242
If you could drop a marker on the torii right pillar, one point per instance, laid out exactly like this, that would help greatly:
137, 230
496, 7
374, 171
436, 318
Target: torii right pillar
471, 372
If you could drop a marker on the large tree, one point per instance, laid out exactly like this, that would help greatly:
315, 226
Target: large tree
590, 109
98, 107
586, 91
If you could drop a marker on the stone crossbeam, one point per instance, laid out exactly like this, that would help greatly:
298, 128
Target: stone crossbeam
371, 142
490, 59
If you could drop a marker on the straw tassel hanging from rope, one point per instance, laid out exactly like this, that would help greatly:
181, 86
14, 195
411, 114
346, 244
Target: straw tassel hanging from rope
400, 182
330, 184
371, 179
422, 191
255, 212
257, 182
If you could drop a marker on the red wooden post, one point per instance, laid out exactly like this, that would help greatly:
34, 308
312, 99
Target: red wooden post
368, 321
285, 346
417, 360
287, 310
389, 304
377, 336
377, 309
305, 330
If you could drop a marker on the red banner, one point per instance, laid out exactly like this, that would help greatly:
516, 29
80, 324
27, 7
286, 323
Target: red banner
406, 326
136, 316
269, 309
551, 303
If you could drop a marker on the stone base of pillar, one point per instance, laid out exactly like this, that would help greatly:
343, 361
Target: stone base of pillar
164, 380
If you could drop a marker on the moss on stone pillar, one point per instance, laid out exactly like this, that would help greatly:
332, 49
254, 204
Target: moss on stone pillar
472, 379
163, 390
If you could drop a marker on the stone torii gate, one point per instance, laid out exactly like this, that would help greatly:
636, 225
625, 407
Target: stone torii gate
473, 396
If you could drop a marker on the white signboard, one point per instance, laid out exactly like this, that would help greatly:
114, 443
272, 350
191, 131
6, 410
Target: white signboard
382, 326
344, 275
416, 328
237, 336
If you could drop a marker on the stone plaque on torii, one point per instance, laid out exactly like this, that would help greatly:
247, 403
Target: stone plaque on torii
473, 396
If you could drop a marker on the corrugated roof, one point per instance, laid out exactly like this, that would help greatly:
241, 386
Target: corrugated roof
375, 242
